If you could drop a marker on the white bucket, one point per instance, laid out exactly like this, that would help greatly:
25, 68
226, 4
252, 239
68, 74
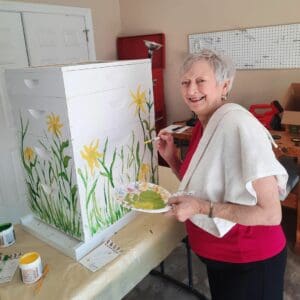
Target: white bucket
31, 267
7, 235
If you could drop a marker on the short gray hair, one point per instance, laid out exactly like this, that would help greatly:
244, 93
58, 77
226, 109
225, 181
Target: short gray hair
222, 65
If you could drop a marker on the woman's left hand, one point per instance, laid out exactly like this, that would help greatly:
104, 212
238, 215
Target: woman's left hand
184, 207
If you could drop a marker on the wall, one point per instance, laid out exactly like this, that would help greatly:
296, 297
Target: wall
106, 20
178, 18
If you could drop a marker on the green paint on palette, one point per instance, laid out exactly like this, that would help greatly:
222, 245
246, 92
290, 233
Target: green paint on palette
149, 200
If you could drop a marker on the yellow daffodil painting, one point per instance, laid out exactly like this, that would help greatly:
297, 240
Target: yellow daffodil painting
54, 125
113, 165
29, 154
139, 99
144, 172
91, 155
145, 104
58, 208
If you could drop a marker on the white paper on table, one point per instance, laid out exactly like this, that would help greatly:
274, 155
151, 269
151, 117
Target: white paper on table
8, 269
101, 256
171, 128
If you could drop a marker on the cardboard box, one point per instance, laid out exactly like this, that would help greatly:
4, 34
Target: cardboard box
291, 114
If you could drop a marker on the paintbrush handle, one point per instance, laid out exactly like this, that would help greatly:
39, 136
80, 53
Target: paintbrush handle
152, 140
40, 282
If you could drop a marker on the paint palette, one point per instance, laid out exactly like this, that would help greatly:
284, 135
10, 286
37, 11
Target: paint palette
144, 196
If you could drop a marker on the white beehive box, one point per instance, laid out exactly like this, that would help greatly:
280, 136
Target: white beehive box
82, 130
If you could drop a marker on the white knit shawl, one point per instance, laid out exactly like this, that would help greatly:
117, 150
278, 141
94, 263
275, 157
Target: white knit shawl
235, 150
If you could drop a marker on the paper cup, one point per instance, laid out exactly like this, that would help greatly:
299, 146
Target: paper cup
31, 267
7, 235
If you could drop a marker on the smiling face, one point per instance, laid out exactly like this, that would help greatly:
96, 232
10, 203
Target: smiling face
200, 90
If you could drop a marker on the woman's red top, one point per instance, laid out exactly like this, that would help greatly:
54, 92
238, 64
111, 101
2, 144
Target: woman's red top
242, 243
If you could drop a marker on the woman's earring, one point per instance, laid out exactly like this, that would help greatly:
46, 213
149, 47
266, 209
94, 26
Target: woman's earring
224, 97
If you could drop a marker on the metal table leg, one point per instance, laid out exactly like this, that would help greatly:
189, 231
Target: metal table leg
189, 288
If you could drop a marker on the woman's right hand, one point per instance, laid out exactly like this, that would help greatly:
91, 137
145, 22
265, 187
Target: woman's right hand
165, 146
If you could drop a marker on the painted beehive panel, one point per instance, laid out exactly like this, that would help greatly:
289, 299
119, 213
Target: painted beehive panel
77, 147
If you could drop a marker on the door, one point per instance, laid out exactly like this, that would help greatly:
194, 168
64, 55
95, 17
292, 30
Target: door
12, 54
50, 39
55, 39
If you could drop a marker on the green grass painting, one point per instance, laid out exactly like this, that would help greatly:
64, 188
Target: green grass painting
131, 157
53, 192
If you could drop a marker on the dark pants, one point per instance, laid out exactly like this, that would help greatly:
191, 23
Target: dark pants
262, 280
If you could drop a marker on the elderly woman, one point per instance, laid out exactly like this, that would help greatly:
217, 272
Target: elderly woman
232, 211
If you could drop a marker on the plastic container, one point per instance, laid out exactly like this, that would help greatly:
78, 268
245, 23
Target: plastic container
31, 267
268, 114
7, 235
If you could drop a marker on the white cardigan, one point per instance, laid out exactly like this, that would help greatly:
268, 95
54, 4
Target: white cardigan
235, 149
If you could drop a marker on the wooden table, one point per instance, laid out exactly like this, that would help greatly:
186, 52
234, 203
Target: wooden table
286, 147
145, 242
285, 144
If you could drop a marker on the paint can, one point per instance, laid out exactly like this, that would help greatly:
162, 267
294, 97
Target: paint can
7, 235
31, 267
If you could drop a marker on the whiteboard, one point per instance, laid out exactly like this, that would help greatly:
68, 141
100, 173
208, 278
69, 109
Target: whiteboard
271, 47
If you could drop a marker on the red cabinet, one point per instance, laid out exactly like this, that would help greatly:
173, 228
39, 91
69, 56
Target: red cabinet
133, 47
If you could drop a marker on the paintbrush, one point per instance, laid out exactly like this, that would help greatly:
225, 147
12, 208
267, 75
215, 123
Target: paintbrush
40, 282
152, 140
5, 259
